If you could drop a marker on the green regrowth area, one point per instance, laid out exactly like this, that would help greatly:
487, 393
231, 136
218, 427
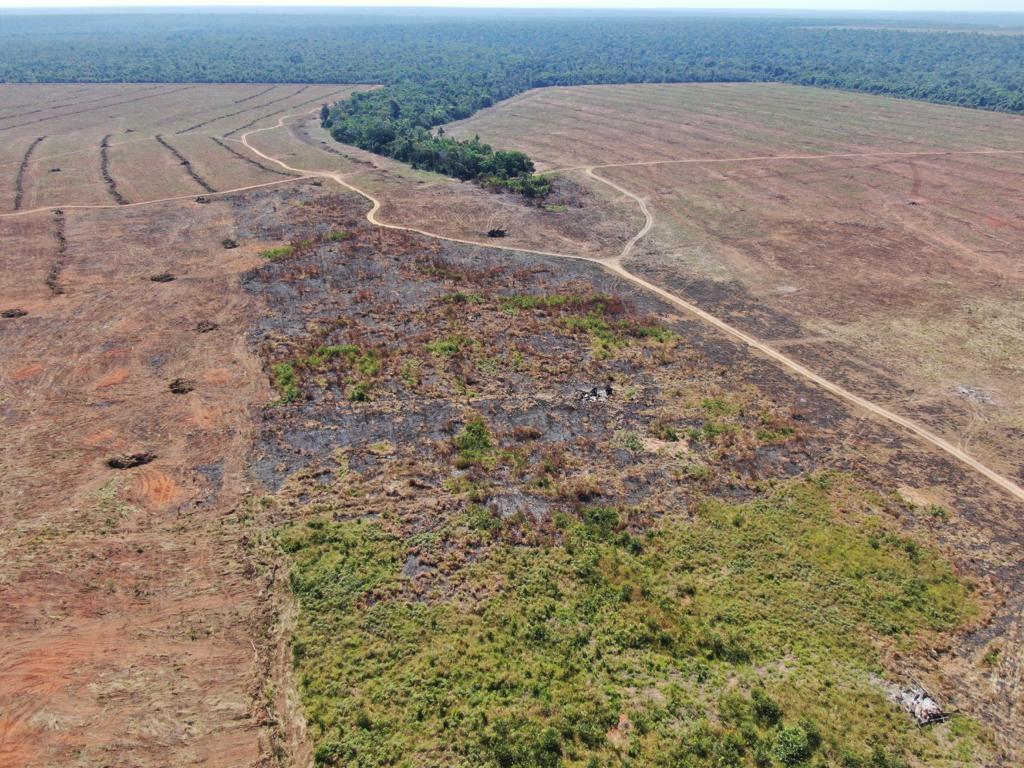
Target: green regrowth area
474, 443
743, 635
286, 381
597, 315
366, 363
607, 334
280, 252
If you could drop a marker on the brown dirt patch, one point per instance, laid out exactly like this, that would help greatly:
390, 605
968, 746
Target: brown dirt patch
130, 618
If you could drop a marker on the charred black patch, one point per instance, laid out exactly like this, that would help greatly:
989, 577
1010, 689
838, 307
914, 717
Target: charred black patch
163, 277
182, 386
129, 460
12, 313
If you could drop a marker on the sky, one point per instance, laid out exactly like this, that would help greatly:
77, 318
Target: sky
856, 5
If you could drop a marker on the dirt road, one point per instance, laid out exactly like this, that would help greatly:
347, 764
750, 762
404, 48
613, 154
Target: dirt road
615, 266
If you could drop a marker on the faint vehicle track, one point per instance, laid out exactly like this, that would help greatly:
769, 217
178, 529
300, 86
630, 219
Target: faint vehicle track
614, 265
19, 182
105, 172
768, 158
101, 106
241, 111
186, 164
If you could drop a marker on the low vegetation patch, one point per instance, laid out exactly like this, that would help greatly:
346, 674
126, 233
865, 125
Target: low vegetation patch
286, 381
745, 636
280, 252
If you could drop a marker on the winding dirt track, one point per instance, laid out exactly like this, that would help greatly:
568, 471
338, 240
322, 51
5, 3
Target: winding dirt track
614, 265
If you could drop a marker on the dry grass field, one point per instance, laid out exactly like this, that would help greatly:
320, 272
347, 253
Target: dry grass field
51, 139
877, 240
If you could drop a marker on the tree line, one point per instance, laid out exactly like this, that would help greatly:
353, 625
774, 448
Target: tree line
437, 67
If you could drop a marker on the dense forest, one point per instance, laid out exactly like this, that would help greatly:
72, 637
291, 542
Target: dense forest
440, 66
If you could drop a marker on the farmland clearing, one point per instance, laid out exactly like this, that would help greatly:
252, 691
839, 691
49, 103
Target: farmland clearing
274, 360
874, 239
65, 127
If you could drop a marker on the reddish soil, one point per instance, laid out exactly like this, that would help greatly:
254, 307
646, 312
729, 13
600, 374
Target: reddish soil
131, 622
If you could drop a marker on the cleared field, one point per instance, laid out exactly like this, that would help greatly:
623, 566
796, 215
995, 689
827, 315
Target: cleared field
637, 123
878, 240
149, 610
51, 135
581, 217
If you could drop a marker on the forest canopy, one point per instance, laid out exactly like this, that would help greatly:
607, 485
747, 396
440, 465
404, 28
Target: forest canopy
437, 66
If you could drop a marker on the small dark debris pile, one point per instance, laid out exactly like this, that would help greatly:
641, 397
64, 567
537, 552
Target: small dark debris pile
163, 277
129, 460
181, 386
202, 199
12, 313
228, 243
595, 394
205, 326
55, 170
496, 233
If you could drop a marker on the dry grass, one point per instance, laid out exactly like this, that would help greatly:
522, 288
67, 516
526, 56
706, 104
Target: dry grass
891, 254
75, 120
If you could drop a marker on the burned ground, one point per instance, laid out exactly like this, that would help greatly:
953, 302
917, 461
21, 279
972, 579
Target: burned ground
883, 233
392, 353
273, 466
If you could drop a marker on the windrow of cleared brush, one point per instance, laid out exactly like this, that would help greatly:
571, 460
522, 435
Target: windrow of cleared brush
255, 95
105, 172
60, 235
186, 164
19, 182
250, 160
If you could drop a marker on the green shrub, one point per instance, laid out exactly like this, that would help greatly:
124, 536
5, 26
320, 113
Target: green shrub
276, 254
287, 381
474, 442
448, 346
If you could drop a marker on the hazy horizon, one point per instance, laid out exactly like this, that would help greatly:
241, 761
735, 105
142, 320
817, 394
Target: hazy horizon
814, 6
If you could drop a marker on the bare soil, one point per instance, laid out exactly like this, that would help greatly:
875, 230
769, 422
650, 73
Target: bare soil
146, 619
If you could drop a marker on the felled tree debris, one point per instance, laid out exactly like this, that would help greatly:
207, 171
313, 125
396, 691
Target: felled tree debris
181, 386
129, 460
